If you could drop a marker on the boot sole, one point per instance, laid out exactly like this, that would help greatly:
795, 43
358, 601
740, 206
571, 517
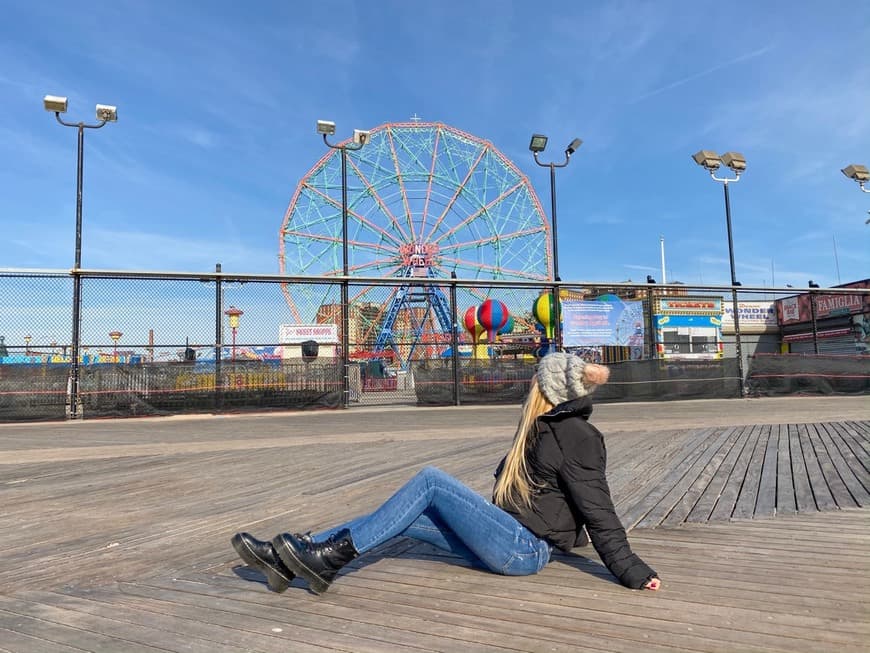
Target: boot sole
294, 564
275, 580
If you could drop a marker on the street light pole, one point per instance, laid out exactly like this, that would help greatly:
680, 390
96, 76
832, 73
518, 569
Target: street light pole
552, 167
105, 113
734, 283
360, 138
737, 163
537, 145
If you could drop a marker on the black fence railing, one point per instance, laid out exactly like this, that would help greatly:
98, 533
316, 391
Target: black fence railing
161, 343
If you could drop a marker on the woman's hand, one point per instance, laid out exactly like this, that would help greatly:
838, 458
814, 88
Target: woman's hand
653, 584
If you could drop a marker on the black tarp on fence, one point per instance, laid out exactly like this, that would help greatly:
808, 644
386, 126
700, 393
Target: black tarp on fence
39, 392
795, 374
498, 381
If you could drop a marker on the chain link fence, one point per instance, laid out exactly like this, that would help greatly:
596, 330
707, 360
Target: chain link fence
153, 343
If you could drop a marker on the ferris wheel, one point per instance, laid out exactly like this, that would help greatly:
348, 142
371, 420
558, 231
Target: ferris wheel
424, 200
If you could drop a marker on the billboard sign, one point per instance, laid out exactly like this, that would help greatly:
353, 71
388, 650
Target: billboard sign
612, 322
797, 309
755, 317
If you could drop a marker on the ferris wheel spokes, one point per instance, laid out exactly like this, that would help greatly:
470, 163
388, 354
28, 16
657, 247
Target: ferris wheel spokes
457, 193
377, 198
477, 213
401, 184
362, 220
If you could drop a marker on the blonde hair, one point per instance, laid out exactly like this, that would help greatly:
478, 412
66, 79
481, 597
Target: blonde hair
514, 487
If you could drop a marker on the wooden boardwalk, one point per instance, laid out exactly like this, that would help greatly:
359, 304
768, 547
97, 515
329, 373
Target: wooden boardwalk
114, 536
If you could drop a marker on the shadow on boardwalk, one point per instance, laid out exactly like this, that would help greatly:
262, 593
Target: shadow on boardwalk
115, 535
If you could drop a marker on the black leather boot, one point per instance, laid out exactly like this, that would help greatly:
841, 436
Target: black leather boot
262, 557
318, 563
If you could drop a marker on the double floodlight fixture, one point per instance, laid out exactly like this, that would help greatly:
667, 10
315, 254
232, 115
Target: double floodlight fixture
710, 161
735, 161
361, 136
573, 146
57, 105
707, 159
857, 173
539, 144
325, 127
107, 113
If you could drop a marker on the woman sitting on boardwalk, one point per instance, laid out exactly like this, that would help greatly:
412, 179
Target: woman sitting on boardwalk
549, 486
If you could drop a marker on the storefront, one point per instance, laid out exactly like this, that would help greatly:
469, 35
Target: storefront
826, 323
688, 327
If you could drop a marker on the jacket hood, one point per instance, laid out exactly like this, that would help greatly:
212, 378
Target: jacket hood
581, 407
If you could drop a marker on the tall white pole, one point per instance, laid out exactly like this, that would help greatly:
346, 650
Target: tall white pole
664, 276
772, 278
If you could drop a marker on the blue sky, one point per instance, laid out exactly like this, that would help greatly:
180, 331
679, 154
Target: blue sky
217, 104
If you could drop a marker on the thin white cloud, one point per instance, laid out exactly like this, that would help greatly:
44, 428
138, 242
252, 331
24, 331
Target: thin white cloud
201, 137
704, 73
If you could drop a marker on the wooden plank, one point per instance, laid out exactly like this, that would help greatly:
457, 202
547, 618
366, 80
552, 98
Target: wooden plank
786, 503
682, 461
830, 440
802, 491
679, 487
821, 491
526, 601
334, 615
15, 642
744, 508
857, 457
400, 601
703, 509
48, 625
839, 492
861, 428
636, 461
224, 631
124, 635
727, 500
563, 584
701, 484
681, 584
765, 504
858, 431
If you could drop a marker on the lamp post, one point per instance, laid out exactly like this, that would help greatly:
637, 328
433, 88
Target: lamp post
115, 336
234, 314
538, 144
711, 161
813, 315
105, 113
360, 138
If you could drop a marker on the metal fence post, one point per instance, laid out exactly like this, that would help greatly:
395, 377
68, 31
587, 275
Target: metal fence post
218, 337
653, 349
454, 340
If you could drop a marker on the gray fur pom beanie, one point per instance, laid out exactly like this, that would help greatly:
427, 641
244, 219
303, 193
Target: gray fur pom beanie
563, 377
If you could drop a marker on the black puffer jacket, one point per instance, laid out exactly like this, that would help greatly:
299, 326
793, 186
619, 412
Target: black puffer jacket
567, 463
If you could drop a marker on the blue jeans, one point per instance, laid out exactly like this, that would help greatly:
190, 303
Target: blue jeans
435, 508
